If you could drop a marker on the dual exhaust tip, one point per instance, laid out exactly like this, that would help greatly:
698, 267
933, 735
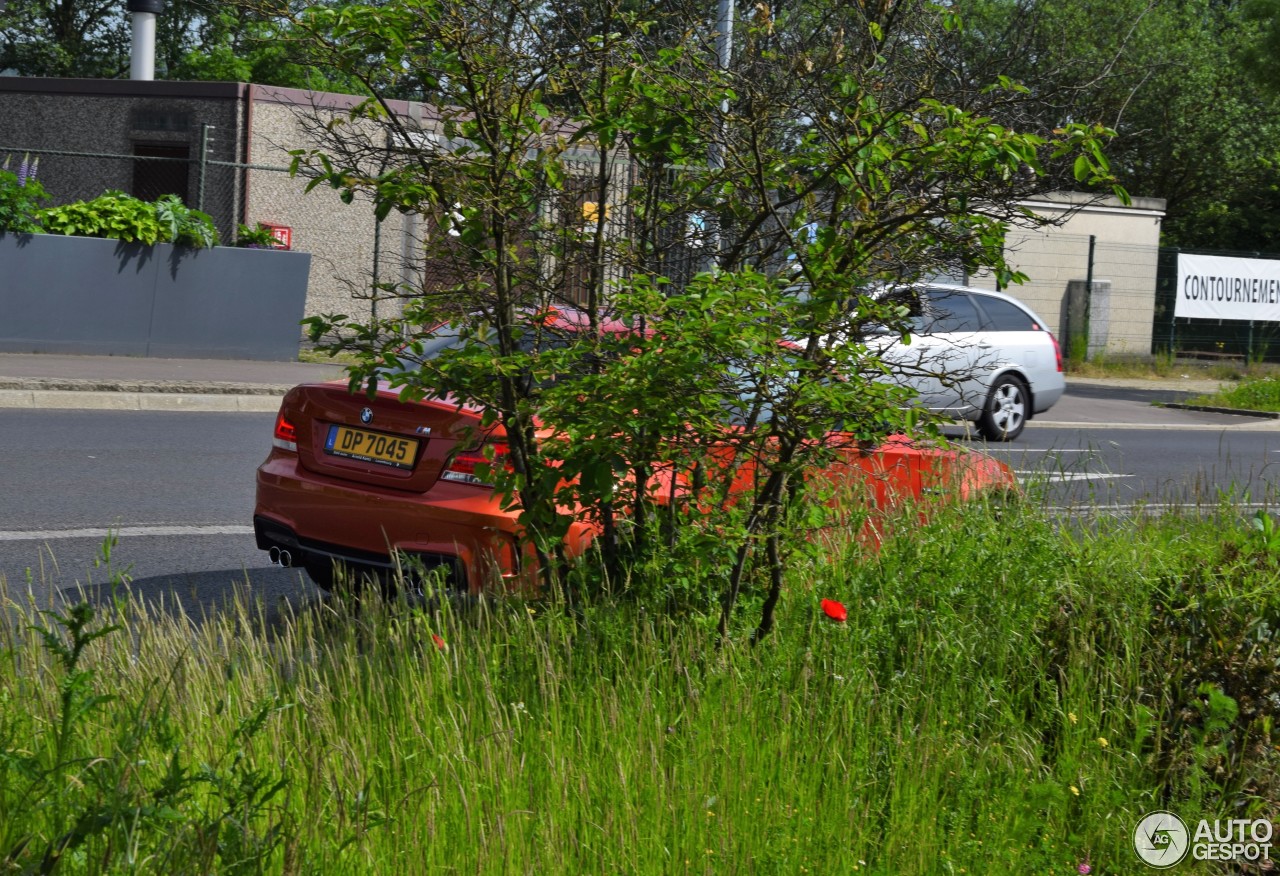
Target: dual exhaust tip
280, 557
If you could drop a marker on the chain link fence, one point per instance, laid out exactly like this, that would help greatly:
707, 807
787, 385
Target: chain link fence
207, 183
1101, 298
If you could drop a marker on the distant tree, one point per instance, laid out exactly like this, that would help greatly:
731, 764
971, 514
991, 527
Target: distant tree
195, 39
1184, 84
47, 38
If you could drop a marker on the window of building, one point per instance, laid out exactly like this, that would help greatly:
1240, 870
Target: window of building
161, 169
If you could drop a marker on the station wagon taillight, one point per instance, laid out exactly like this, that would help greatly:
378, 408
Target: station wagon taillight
286, 434
1057, 350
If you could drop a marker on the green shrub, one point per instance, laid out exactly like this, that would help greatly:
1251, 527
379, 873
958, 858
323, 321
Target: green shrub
117, 216
112, 215
19, 203
184, 226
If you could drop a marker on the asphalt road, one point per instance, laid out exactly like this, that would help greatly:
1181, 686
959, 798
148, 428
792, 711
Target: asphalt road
1102, 447
178, 487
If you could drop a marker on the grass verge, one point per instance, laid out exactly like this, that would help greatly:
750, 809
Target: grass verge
1252, 395
1007, 696
1164, 367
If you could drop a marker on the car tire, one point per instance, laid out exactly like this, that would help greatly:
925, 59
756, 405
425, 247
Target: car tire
1005, 413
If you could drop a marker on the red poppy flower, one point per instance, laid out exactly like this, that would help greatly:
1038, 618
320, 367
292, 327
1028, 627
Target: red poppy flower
834, 610
441, 644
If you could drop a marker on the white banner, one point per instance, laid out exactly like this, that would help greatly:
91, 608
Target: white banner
1218, 287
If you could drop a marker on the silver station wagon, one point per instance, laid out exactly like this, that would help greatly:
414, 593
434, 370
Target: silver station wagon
975, 355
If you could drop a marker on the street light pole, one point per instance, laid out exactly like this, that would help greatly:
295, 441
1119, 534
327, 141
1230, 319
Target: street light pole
715, 152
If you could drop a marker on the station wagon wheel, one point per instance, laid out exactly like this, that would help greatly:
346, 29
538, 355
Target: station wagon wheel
1006, 410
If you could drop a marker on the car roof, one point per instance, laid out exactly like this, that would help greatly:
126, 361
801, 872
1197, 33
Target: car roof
956, 287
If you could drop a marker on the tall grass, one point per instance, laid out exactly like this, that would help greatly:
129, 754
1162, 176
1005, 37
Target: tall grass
1006, 697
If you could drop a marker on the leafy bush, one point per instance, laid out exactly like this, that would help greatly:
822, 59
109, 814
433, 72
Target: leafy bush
19, 203
117, 216
184, 226
113, 215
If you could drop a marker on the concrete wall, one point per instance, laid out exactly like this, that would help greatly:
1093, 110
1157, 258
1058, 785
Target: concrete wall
1126, 248
342, 238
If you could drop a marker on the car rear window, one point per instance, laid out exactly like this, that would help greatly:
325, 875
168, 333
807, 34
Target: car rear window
951, 310
1006, 316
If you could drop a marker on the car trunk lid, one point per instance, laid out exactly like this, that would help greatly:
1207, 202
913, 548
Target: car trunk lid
381, 440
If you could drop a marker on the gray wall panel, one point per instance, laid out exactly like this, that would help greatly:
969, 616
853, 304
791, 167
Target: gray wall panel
82, 295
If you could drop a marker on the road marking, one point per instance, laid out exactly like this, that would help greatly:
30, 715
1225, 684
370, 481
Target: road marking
120, 531
1068, 475
1255, 426
1156, 507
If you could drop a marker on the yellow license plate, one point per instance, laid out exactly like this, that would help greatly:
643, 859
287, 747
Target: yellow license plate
366, 446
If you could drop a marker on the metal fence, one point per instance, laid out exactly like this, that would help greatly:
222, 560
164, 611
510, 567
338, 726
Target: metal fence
1101, 298
202, 180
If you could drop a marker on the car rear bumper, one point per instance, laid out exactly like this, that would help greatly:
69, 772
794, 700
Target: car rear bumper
1047, 393
319, 519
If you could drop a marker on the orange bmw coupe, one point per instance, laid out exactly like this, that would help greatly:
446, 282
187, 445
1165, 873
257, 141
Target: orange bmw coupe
362, 483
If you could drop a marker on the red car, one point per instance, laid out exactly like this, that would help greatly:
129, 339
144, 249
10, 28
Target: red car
356, 481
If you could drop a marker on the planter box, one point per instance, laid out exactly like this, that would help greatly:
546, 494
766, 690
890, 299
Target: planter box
83, 295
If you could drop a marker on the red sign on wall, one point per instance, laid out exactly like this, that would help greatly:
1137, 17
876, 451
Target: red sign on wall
282, 233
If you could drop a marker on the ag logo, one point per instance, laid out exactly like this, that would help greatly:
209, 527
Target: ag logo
1161, 839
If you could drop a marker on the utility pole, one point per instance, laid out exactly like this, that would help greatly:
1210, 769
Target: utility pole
715, 152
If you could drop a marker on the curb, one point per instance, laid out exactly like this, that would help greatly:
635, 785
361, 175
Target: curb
170, 387
61, 399
1210, 409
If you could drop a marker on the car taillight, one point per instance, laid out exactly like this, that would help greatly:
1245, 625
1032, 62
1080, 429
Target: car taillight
1057, 350
463, 467
286, 435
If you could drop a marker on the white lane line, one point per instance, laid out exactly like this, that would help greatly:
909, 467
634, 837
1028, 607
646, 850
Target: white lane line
1267, 425
1068, 475
1159, 506
121, 531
